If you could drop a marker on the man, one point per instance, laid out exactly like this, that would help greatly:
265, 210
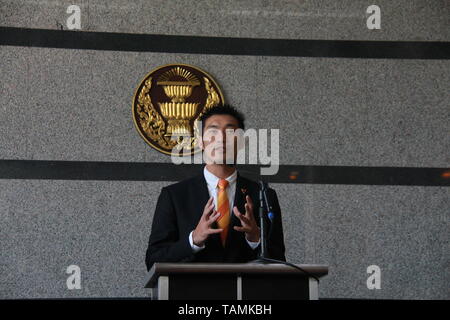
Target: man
213, 217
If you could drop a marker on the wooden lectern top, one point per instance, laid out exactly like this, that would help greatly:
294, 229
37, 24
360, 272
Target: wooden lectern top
162, 269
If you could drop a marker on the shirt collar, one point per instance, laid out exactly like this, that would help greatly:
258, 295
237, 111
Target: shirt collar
212, 180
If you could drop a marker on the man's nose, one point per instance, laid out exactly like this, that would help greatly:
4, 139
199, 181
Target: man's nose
220, 137
227, 131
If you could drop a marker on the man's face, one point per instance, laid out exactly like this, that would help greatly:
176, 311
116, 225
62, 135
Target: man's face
217, 148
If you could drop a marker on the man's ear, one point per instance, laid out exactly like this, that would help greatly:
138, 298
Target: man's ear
200, 142
199, 134
240, 139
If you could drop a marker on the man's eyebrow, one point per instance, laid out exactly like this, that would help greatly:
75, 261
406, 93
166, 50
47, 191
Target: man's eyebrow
213, 125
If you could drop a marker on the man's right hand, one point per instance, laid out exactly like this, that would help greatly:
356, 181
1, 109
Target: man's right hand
203, 229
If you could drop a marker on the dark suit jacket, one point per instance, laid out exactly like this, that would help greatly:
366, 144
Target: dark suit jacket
178, 212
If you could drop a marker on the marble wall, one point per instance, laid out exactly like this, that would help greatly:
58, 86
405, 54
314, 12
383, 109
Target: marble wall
74, 104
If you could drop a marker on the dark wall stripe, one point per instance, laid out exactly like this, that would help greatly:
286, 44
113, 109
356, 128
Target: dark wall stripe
223, 45
135, 171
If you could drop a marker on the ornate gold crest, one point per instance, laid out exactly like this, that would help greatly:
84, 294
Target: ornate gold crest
168, 101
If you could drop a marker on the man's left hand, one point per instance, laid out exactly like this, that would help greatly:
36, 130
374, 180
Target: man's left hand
248, 222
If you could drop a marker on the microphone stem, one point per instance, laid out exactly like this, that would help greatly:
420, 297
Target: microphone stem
262, 221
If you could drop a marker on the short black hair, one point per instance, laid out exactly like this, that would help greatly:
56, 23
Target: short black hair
224, 109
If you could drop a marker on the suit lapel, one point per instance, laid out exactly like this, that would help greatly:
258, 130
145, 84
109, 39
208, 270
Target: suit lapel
201, 193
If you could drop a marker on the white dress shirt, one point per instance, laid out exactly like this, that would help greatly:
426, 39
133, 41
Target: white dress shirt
211, 182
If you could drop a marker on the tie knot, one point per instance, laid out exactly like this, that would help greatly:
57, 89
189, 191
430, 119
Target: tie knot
223, 184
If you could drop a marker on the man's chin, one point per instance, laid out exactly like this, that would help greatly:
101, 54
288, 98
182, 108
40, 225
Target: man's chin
221, 161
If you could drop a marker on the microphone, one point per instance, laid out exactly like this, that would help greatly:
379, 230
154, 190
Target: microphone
269, 208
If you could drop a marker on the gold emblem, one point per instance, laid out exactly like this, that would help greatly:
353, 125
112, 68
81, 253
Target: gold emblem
168, 101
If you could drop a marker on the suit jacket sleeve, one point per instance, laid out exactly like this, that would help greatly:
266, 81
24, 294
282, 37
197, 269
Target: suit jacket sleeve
275, 248
165, 243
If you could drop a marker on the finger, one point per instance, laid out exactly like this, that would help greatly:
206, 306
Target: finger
208, 207
213, 217
249, 201
237, 212
240, 216
208, 212
244, 220
241, 229
248, 210
209, 202
213, 231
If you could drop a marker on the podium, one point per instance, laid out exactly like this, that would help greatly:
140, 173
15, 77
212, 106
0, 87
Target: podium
234, 281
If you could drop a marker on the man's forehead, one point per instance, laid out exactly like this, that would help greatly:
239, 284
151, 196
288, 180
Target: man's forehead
224, 120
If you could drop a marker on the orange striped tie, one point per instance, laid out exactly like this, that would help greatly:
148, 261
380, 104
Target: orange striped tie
224, 208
